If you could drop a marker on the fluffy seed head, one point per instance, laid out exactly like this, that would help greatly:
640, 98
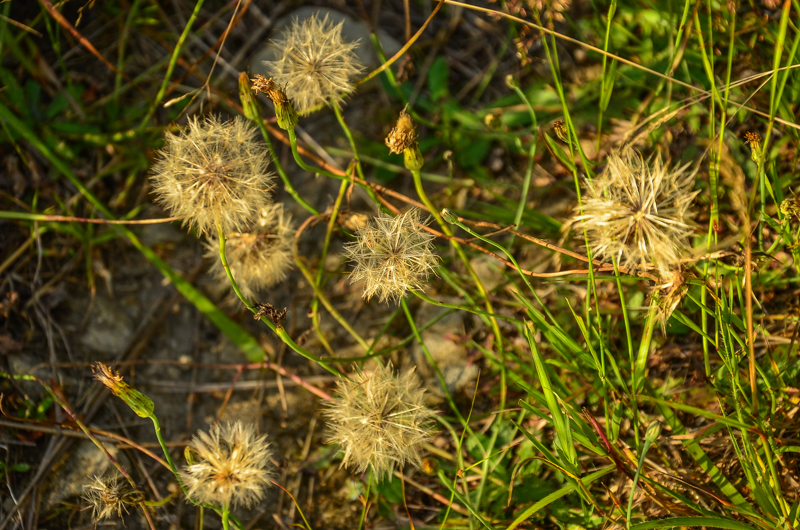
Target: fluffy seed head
315, 63
379, 420
213, 172
638, 212
258, 257
232, 466
107, 495
392, 254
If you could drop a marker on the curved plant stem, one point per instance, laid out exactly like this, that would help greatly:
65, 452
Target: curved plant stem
276, 328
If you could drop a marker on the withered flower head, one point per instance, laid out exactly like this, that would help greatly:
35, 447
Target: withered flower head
214, 172
315, 64
403, 135
284, 111
232, 467
258, 257
392, 255
107, 495
379, 420
753, 140
638, 212
140, 404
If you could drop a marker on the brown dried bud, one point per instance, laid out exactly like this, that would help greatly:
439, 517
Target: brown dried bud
284, 111
753, 140
403, 135
138, 402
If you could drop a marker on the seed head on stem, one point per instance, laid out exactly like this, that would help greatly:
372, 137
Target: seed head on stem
232, 466
214, 172
315, 63
637, 211
392, 255
379, 420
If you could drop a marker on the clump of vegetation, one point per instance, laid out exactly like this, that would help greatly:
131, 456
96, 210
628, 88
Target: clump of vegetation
536, 186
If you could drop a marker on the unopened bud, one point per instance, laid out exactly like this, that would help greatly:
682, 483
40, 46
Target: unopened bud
511, 82
284, 111
412, 158
402, 135
252, 110
138, 402
449, 216
652, 432
560, 128
493, 122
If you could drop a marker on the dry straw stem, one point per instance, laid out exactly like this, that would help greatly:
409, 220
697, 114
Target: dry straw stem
392, 255
214, 172
259, 257
232, 466
637, 212
315, 64
379, 420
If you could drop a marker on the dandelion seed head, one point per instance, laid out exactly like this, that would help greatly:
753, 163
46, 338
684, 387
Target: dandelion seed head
260, 256
638, 212
379, 420
213, 172
109, 495
392, 255
315, 63
232, 466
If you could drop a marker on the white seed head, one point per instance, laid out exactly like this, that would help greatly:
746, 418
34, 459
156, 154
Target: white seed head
638, 212
379, 420
213, 172
232, 466
259, 257
315, 64
392, 255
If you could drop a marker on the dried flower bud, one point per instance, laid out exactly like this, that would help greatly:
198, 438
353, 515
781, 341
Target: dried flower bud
493, 121
560, 128
790, 207
753, 140
402, 135
284, 111
138, 402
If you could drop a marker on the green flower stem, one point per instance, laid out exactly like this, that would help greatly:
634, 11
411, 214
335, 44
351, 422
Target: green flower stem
435, 366
359, 169
226, 512
167, 455
327, 303
278, 330
422, 296
279, 168
302, 164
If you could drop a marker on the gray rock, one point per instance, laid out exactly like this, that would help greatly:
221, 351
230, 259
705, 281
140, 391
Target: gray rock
109, 328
